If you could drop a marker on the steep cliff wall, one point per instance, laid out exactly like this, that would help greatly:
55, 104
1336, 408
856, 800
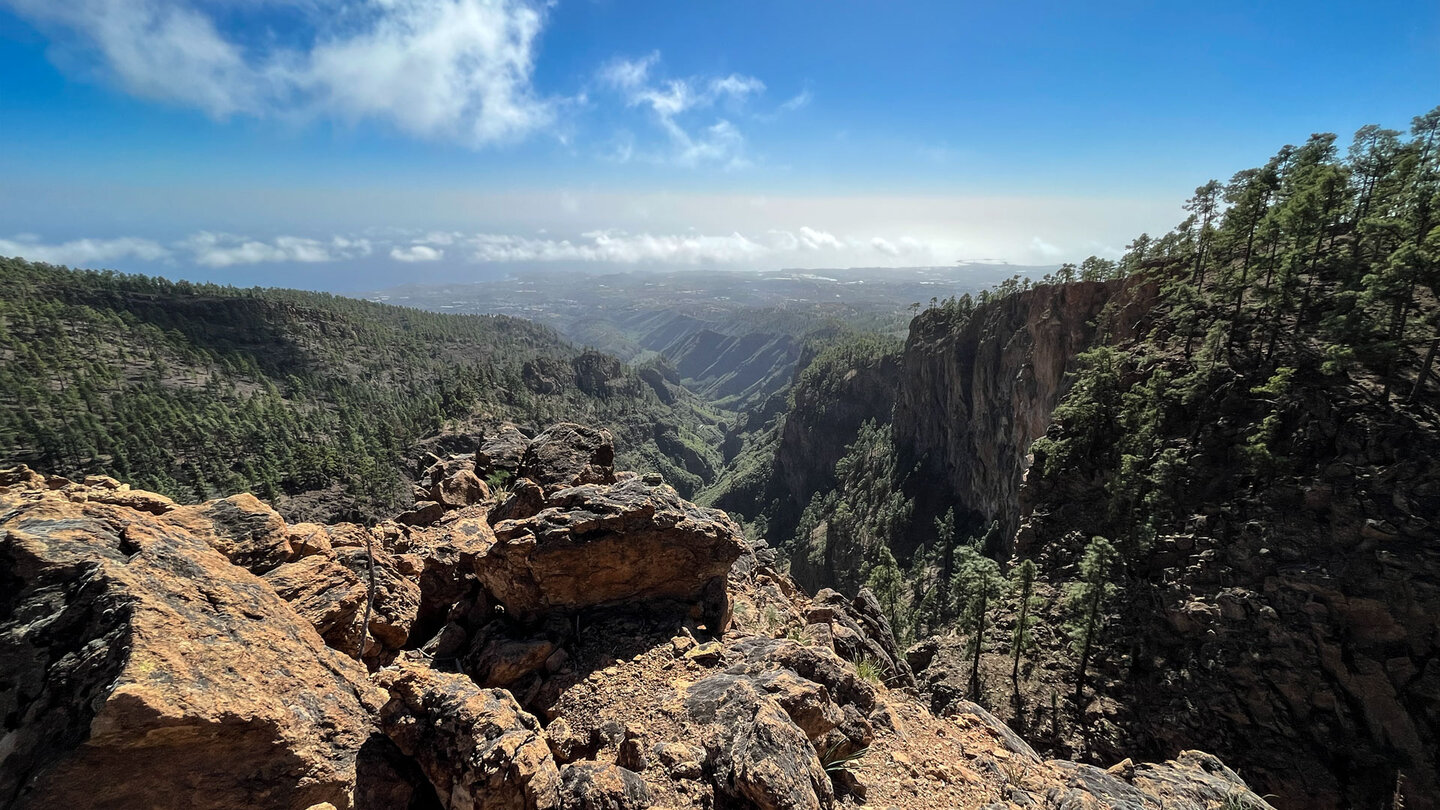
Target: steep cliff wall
976, 390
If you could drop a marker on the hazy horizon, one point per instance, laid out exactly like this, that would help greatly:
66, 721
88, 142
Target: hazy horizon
351, 144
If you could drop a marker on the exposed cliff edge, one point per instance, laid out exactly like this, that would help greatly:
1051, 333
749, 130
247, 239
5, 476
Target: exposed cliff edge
975, 390
206, 656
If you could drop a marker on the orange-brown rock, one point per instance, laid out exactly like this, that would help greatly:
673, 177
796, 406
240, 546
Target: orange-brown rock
242, 527
330, 589
479, 749
139, 665
613, 544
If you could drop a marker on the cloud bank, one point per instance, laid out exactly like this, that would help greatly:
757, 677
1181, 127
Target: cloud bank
773, 248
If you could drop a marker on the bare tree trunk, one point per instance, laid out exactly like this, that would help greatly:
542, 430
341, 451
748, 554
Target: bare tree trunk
369, 595
1425, 366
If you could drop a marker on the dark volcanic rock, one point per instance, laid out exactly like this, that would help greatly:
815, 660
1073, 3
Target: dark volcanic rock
755, 751
598, 786
568, 455
479, 749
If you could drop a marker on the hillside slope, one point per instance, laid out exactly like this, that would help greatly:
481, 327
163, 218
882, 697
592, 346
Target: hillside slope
199, 390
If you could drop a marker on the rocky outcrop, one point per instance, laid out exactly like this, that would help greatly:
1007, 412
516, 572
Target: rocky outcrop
579, 656
137, 663
757, 753
569, 455
597, 545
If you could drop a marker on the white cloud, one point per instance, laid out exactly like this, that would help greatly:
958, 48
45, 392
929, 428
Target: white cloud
417, 253
628, 74
817, 240
798, 101
444, 69
619, 247
669, 100
226, 250
83, 252
1042, 248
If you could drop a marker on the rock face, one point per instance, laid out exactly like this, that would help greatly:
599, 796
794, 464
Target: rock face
138, 663
1289, 624
973, 395
597, 545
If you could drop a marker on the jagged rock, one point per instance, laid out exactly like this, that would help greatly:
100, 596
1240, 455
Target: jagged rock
807, 703
609, 545
524, 500
567, 744
679, 760
424, 514
448, 552
859, 631
598, 786
331, 589
1193, 781
501, 450
568, 455
972, 712
1195, 777
921, 654
463, 488
139, 665
498, 659
480, 750
754, 750
442, 469
242, 527
815, 663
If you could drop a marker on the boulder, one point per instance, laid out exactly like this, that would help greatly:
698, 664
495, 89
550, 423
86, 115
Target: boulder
600, 786
138, 664
807, 703
497, 658
478, 748
242, 527
753, 750
330, 590
568, 455
524, 499
814, 663
463, 488
598, 545
501, 450
448, 552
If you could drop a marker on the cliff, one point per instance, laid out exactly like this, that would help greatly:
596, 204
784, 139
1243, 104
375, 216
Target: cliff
975, 390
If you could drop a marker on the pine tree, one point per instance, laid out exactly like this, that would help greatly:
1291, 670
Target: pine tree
1022, 586
976, 586
1085, 601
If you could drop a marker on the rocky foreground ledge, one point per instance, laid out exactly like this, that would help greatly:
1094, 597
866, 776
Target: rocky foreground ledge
582, 640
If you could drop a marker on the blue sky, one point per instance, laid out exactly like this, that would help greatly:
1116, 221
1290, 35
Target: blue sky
343, 143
